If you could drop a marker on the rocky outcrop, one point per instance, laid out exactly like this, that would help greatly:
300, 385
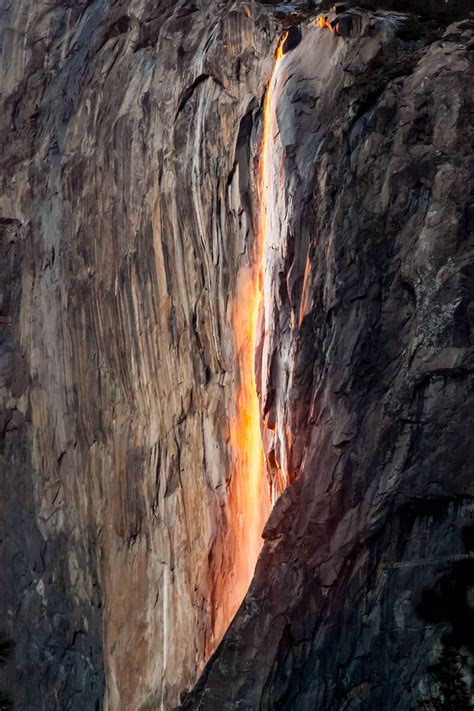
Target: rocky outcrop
131, 137
371, 371
125, 138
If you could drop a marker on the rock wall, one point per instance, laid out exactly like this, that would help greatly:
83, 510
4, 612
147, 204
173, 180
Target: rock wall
124, 210
370, 290
130, 144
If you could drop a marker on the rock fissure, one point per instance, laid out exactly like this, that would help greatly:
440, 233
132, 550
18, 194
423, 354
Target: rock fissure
129, 217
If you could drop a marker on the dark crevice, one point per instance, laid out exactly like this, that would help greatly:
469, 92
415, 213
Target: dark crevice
187, 94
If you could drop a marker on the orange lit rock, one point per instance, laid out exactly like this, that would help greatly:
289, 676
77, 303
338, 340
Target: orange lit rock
250, 493
322, 21
132, 486
367, 285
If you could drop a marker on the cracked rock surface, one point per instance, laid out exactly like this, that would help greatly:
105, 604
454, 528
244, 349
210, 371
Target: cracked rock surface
130, 142
371, 263
122, 234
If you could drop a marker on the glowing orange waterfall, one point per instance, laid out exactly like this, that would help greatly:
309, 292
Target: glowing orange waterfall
322, 21
250, 491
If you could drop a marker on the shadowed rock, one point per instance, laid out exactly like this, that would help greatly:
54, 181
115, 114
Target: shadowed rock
375, 383
130, 147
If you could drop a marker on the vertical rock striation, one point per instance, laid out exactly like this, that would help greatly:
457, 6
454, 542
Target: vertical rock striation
130, 152
125, 217
370, 378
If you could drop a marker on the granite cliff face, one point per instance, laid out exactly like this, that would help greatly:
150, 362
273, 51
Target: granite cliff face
370, 283
120, 126
130, 152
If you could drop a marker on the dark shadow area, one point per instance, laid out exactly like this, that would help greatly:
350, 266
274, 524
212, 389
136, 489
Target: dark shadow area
7, 647
449, 604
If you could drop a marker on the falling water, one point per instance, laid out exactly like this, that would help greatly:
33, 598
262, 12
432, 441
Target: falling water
251, 498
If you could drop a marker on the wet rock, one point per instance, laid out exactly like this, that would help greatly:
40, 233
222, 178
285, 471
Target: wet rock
131, 145
124, 218
371, 374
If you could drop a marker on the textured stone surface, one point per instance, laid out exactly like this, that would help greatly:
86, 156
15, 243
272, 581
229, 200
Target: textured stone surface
125, 132
130, 136
370, 282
